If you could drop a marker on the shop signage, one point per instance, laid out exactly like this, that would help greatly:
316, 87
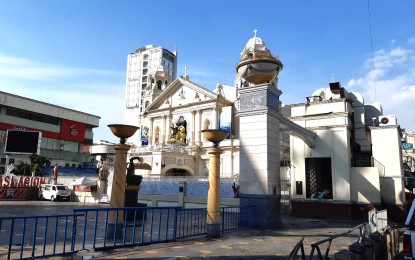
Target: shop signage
21, 181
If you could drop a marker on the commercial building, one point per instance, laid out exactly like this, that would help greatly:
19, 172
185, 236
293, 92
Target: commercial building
150, 70
66, 134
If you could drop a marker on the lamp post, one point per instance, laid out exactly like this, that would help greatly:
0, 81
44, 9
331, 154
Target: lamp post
118, 183
213, 203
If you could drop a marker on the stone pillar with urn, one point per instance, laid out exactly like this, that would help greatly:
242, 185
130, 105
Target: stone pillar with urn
213, 203
116, 217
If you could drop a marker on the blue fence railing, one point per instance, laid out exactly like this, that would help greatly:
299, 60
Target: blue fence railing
28, 237
97, 229
138, 226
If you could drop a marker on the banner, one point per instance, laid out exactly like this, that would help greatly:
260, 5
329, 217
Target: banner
225, 120
144, 135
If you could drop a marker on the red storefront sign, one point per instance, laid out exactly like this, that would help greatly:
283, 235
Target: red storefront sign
21, 181
14, 187
72, 131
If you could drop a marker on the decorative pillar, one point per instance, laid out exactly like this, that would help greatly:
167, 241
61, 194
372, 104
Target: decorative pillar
213, 207
213, 202
118, 183
115, 221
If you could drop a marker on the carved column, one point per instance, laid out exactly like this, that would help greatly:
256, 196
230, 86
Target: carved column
192, 141
215, 118
199, 128
163, 130
168, 130
150, 139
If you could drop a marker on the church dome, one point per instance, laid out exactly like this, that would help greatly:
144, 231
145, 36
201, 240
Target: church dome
257, 64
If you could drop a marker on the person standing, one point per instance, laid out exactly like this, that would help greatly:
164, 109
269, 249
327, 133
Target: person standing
55, 174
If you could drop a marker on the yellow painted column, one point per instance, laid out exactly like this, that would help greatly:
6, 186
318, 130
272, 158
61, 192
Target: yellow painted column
118, 182
213, 203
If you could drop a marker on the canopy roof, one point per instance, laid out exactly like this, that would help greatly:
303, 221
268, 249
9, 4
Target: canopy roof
84, 181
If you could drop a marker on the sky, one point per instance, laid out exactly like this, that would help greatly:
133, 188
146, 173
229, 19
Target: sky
74, 53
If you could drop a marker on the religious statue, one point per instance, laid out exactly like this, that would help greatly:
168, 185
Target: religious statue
235, 190
181, 134
178, 131
174, 130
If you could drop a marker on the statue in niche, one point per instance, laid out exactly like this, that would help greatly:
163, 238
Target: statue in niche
178, 131
174, 130
181, 133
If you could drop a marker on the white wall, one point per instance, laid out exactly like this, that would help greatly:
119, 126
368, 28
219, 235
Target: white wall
365, 185
386, 149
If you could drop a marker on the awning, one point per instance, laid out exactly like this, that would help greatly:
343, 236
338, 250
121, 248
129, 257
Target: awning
84, 181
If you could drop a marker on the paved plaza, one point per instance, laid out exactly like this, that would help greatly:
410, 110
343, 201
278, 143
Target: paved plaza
273, 243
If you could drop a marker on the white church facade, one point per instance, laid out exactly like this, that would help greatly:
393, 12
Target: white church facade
334, 156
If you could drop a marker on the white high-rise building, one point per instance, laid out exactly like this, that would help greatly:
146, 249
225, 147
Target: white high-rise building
149, 71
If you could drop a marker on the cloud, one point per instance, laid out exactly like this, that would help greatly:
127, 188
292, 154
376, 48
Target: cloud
394, 85
411, 40
93, 91
26, 69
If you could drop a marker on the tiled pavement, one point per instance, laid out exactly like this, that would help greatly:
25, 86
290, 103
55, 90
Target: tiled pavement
275, 243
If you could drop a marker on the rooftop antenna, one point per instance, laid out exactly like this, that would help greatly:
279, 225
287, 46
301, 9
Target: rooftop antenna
371, 47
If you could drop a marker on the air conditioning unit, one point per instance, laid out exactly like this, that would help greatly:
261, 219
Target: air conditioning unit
387, 120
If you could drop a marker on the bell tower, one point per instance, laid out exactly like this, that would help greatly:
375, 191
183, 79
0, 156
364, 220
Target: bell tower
257, 77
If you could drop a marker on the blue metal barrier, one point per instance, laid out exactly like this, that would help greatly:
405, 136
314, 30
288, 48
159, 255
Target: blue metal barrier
91, 229
191, 222
238, 218
140, 225
35, 236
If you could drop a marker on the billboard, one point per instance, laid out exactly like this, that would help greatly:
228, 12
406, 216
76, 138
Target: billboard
22, 142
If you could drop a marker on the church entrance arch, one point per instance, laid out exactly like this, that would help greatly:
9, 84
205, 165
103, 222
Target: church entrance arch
178, 172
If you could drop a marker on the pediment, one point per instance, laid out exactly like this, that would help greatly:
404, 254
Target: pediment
181, 92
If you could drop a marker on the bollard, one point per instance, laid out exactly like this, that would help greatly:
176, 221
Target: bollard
368, 244
358, 250
379, 246
343, 255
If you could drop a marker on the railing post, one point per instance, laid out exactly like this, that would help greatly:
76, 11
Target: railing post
75, 219
175, 224
223, 220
